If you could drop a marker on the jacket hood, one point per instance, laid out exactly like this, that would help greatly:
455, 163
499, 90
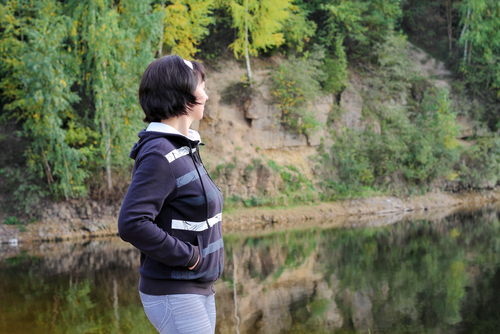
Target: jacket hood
160, 130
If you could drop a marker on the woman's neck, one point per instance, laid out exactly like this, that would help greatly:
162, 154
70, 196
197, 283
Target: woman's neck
180, 123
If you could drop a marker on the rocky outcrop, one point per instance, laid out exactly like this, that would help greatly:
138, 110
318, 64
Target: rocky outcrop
64, 221
430, 67
239, 131
252, 124
351, 104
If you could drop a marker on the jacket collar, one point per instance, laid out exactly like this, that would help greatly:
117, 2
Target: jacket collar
165, 128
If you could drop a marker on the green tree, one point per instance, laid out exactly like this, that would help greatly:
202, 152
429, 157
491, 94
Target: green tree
259, 25
69, 76
465, 33
480, 39
185, 23
38, 73
298, 29
113, 44
361, 22
335, 67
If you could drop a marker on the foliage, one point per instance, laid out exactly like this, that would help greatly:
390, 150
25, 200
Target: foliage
481, 40
12, 221
426, 23
298, 29
24, 188
185, 25
416, 146
359, 24
395, 66
38, 72
69, 74
481, 162
335, 67
264, 21
222, 169
437, 150
112, 46
237, 93
420, 147
296, 188
21, 225
465, 34
479, 62
295, 83
220, 35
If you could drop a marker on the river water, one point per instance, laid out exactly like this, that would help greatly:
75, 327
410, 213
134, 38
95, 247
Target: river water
414, 276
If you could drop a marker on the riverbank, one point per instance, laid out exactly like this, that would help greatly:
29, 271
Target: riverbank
372, 211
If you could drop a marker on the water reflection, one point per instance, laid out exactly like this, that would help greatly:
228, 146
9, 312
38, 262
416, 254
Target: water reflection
417, 276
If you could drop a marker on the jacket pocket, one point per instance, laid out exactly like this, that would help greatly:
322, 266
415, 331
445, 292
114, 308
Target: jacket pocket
206, 270
199, 266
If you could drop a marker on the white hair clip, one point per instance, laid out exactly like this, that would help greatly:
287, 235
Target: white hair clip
188, 63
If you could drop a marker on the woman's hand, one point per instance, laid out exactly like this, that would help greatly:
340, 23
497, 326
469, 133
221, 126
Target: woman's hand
197, 261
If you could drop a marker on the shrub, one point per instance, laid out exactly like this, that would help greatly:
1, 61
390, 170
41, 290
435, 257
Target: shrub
481, 162
421, 147
295, 83
335, 67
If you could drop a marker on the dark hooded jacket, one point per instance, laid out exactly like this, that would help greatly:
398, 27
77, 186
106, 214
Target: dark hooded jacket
172, 213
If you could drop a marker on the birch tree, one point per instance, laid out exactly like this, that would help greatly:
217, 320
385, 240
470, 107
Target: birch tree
259, 25
109, 41
37, 74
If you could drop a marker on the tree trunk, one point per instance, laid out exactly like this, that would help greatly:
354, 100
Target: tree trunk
463, 31
449, 6
107, 139
470, 53
106, 131
160, 47
247, 56
465, 51
108, 162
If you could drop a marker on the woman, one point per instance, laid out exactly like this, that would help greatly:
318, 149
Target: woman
172, 209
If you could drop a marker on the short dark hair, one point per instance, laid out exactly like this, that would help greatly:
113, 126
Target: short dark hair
167, 88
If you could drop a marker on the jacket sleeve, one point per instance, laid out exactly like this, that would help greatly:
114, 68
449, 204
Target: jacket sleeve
153, 182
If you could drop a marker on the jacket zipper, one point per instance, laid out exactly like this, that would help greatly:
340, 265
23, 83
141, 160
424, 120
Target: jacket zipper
199, 176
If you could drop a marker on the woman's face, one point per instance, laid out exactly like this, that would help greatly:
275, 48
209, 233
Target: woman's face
201, 97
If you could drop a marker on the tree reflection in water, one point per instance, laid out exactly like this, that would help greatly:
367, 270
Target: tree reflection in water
417, 276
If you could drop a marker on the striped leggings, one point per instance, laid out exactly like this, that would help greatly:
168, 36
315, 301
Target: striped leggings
180, 314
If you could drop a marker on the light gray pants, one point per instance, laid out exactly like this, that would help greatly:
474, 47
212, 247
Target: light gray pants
180, 314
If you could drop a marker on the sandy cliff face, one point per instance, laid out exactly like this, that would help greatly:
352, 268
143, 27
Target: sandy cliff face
243, 129
246, 131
